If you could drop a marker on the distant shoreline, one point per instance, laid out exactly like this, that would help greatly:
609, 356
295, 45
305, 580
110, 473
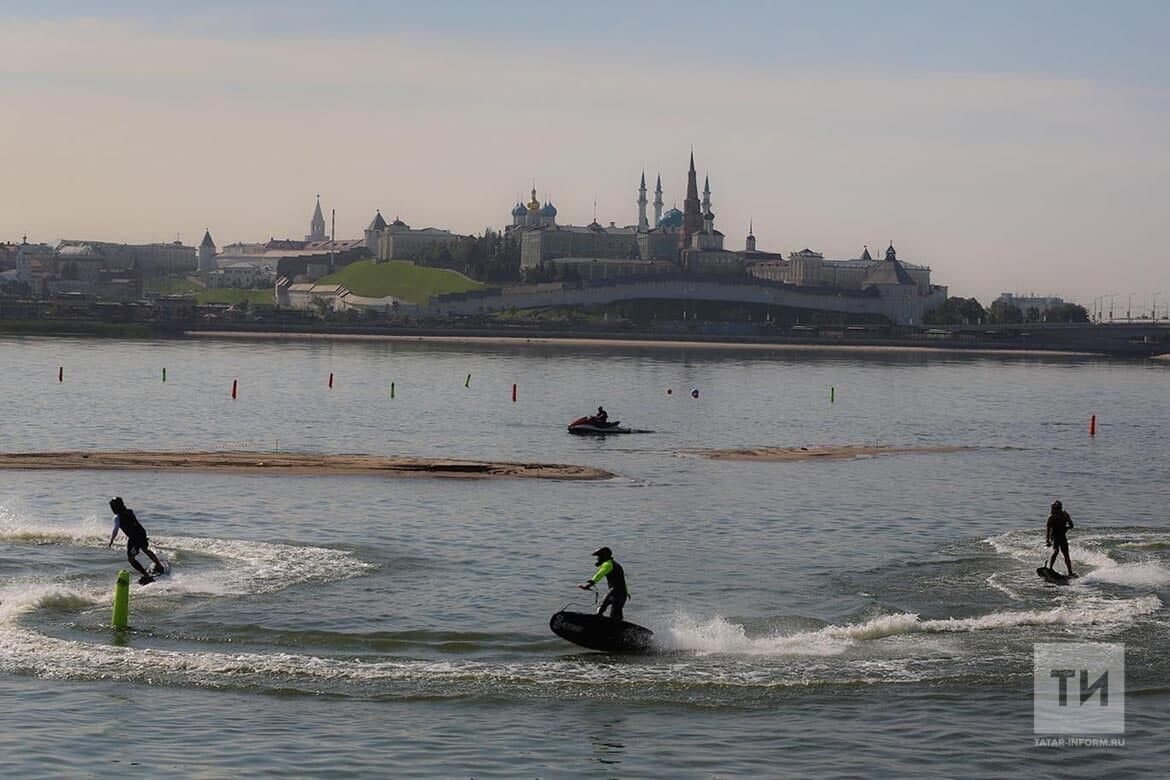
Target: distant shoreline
641, 343
1076, 341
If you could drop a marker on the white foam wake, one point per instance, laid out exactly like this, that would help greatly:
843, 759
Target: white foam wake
1090, 551
19, 598
1135, 575
255, 567
718, 635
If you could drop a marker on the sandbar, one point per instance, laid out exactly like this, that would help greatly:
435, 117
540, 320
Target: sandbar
287, 463
840, 452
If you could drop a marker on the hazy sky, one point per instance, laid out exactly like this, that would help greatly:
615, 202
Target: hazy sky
1011, 146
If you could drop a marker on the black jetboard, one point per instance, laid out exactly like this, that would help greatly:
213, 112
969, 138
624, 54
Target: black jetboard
154, 576
601, 633
1053, 577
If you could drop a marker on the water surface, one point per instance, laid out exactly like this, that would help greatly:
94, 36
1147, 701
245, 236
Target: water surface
828, 618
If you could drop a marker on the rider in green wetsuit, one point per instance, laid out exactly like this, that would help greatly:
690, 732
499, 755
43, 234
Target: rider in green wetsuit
615, 577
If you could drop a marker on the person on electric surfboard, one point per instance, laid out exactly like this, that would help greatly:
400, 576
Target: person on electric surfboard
615, 577
1055, 535
136, 540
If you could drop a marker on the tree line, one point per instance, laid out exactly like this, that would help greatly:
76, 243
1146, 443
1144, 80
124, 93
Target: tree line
968, 311
491, 257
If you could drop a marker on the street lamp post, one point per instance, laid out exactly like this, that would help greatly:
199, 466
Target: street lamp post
1129, 309
1154, 307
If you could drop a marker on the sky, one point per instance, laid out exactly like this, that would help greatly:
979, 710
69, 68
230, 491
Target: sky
1010, 146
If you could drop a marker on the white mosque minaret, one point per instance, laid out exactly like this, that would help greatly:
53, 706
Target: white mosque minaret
643, 223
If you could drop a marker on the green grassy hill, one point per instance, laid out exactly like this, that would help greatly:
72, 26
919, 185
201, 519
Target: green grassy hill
172, 286
401, 279
229, 295
233, 296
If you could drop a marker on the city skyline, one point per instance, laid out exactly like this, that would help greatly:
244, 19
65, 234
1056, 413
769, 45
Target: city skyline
975, 141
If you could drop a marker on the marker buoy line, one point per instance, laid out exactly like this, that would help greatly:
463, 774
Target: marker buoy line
60, 373
391, 391
235, 383
164, 375
330, 380
1093, 425
467, 382
513, 392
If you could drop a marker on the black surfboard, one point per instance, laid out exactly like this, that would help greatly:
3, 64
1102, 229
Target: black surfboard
1053, 577
601, 633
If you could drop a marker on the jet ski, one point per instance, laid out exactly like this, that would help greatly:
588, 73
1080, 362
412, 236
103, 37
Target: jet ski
586, 426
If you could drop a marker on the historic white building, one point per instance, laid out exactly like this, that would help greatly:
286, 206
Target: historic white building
533, 215
689, 242
807, 268
399, 241
147, 259
206, 255
687, 239
317, 224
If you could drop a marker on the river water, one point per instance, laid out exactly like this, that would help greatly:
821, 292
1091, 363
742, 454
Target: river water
861, 617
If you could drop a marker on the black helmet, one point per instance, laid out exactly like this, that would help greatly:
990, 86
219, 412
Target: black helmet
117, 504
1056, 505
600, 409
603, 553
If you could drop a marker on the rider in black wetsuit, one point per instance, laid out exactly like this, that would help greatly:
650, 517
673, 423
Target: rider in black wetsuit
615, 577
1056, 535
602, 417
136, 540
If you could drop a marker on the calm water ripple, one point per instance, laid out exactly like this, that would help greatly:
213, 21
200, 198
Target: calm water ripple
872, 616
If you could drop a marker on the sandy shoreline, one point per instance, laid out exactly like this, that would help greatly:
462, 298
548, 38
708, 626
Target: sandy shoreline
285, 463
841, 452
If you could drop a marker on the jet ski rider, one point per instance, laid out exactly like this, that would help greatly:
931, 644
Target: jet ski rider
615, 577
602, 416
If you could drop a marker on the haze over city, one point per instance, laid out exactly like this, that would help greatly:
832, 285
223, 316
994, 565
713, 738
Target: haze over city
1010, 146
